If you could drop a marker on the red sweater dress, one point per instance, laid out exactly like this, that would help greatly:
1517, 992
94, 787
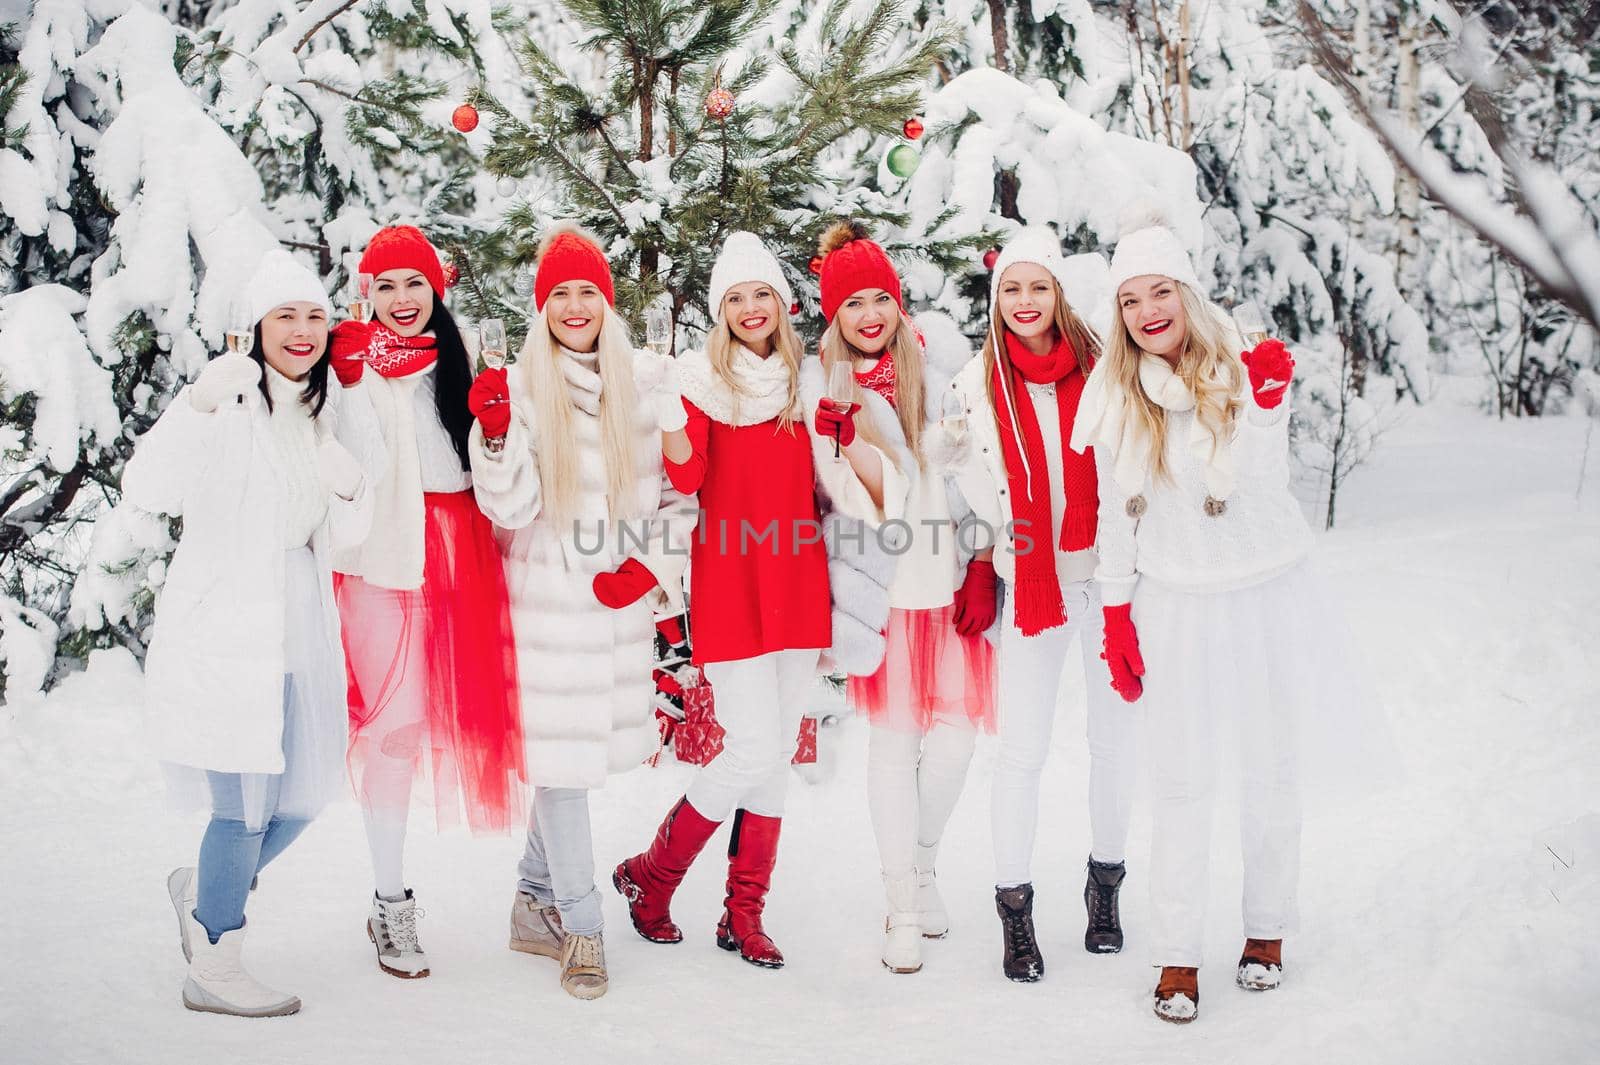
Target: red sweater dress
758, 577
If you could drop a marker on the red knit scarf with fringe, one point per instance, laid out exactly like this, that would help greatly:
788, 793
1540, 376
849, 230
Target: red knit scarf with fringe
1038, 592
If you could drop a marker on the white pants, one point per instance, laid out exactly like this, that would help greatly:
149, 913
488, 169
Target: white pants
759, 704
913, 782
1030, 677
557, 866
1198, 720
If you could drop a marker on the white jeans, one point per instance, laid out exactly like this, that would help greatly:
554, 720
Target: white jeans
1030, 677
1193, 717
913, 782
557, 866
759, 704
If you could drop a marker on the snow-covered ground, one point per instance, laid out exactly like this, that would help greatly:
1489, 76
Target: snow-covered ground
1453, 919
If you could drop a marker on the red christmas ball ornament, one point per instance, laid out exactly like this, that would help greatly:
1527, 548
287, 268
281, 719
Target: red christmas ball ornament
465, 118
815, 265
451, 275
794, 308
991, 257
719, 103
913, 128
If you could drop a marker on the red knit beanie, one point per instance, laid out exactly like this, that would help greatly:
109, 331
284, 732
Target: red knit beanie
571, 255
403, 248
852, 261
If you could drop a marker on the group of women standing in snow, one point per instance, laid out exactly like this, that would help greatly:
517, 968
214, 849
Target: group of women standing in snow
420, 529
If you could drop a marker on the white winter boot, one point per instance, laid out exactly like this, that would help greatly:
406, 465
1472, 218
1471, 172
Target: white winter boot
930, 907
536, 929
217, 982
902, 942
182, 886
392, 927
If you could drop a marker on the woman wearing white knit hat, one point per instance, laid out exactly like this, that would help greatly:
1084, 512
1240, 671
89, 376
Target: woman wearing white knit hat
1211, 615
758, 609
245, 674
1022, 478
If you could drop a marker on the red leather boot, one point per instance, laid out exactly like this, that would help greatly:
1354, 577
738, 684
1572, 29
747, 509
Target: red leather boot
648, 880
752, 852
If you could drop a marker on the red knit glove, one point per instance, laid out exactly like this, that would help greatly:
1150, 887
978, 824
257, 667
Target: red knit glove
836, 423
975, 599
348, 343
489, 400
1122, 652
1271, 369
625, 585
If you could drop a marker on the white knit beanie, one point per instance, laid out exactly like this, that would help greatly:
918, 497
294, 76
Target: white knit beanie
1032, 244
744, 258
280, 279
1152, 250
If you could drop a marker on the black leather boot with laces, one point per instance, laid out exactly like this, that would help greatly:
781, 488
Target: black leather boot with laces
1104, 935
1022, 961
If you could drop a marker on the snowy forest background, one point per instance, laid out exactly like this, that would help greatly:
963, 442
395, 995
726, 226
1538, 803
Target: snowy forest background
1409, 187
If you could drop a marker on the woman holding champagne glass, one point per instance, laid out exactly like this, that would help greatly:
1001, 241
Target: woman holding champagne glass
934, 686
758, 602
1020, 477
427, 623
566, 458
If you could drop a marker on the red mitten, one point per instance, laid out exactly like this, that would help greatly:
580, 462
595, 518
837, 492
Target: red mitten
625, 585
347, 344
1122, 652
830, 421
975, 599
489, 400
1271, 369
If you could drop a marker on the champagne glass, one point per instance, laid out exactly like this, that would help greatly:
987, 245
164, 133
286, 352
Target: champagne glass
360, 300
1252, 325
841, 390
953, 420
240, 337
492, 342
658, 329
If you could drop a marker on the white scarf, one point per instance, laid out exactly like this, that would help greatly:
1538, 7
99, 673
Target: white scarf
581, 370
1103, 423
763, 387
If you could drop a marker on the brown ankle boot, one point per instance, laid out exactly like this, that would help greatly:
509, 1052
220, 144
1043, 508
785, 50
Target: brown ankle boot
1020, 960
1261, 965
1178, 994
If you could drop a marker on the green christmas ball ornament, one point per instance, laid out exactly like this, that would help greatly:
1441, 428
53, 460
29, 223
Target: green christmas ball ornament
903, 160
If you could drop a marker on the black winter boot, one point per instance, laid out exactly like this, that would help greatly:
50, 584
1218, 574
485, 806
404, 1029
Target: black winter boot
1022, 961
1104, 934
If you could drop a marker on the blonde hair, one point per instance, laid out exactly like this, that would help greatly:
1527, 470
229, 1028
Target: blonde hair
908, 376
1208, 365
555, 443
1085, 341
721, 345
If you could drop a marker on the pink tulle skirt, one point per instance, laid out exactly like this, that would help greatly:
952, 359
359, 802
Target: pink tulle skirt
929, 671
432, 672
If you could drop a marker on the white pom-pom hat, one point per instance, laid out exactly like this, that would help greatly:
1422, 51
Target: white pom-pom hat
744, 258
281, 279
1152, 250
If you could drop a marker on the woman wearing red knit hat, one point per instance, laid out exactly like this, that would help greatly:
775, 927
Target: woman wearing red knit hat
1021, 394
758, 599
933, 685
566, 457
427, 626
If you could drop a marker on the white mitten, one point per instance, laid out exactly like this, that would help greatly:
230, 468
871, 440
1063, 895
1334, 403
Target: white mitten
341, 474
224, 379
658, 378
943, 453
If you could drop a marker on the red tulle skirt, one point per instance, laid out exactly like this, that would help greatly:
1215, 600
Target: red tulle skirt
433, 672
929, 671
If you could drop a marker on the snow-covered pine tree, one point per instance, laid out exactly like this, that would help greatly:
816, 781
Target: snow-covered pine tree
700, 130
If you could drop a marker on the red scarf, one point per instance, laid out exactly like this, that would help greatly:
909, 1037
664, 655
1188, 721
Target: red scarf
881, 378
1038, 605
393, 355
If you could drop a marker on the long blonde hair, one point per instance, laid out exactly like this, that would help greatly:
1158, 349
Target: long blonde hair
909, 374
1208, 365
1085, 341
722, 345
555, 443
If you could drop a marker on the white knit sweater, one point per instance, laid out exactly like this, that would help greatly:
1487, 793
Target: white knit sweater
1260, 534
294, 437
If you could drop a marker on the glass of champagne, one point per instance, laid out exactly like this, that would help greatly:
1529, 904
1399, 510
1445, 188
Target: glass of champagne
1253, 327
841, 390
658, 329
953, 420
360, 304
240, 337
492, 343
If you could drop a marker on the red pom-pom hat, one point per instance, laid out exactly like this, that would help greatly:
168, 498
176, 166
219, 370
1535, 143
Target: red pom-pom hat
404, 248
570, 255
855, 265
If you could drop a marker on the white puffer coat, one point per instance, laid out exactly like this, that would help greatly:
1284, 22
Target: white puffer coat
584, 669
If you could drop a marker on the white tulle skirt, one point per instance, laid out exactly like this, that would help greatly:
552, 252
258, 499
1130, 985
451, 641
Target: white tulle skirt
315, 726
1271, 665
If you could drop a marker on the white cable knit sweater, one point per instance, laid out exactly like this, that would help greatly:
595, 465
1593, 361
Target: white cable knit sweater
294, 437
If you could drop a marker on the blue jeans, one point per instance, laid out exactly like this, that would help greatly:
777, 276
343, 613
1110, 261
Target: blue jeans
231, 855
